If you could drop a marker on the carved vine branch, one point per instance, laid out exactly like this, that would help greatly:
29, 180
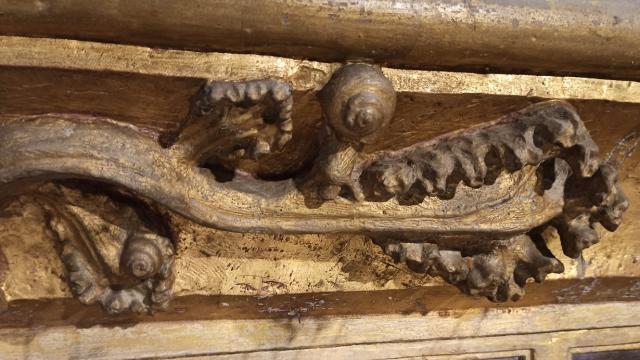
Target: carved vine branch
470, 206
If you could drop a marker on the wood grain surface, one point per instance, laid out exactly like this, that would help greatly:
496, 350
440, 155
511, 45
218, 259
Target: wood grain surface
568, 37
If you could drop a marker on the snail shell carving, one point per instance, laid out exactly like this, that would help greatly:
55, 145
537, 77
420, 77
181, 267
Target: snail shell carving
357, 102
142, 258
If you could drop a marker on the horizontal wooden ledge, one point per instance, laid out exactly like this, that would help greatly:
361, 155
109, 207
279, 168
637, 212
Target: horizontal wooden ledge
190, 338
303, 75
437, 301
594, 38
546, 345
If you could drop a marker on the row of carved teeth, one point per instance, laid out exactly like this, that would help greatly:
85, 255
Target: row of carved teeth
601, 201
276, 95
478, 157
499, 274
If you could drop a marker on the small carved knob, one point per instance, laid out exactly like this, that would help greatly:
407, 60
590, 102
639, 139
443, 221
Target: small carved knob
358, 101
142, 257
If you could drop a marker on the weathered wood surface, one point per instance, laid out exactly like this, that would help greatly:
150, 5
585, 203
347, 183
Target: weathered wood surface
538, 332
592, 38
246, 296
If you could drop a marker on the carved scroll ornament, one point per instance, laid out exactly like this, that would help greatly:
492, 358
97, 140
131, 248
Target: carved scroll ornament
471, 206
116, 249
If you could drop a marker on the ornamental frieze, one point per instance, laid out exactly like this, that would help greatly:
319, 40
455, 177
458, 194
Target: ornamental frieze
474, 206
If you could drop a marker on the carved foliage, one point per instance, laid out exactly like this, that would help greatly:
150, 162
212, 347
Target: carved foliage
499, 274
501, 269
112, 256
548, 135
129, 265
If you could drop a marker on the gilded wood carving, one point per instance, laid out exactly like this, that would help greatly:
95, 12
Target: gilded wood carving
473, 206
116, 249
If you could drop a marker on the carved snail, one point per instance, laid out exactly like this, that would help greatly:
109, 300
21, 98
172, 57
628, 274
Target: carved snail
470, 206
358, 101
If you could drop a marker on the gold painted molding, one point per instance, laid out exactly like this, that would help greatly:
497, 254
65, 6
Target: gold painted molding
593, 38
302, 74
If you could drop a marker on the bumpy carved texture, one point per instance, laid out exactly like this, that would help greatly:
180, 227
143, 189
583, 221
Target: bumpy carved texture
500, 269
111, 257
499, 274
550, 136
471, 206
234, 120
474, 157
590, 195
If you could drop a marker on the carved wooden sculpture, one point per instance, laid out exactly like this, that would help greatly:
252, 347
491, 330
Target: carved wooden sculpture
471, 206
116, 249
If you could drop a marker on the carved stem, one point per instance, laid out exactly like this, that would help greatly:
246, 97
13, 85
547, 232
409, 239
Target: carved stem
57, 147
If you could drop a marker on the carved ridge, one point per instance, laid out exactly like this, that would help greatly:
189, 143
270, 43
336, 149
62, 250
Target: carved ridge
56, 148
476, 156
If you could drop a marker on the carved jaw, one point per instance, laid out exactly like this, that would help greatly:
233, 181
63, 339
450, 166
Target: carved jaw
230, 121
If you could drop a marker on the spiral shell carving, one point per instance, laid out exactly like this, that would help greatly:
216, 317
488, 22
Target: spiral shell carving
142, 257
358, 101
111, 256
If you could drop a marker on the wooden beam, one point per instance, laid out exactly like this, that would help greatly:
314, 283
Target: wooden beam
540, 331
600, 38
